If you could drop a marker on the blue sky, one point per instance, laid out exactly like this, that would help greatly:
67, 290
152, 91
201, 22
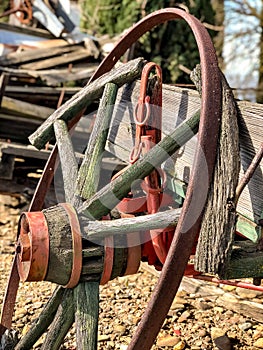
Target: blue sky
242, 70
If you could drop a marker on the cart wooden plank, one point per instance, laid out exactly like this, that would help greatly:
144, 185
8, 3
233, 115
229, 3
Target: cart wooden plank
178, 105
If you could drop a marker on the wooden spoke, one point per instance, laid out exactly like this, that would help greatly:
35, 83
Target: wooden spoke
62, 322
81, 100
109, 196
94, 230
42, 322
89, 172
67, 159
86, 295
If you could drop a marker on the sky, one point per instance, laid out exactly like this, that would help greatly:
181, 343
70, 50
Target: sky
241, 71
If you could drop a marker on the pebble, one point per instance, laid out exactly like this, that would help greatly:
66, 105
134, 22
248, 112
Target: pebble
185, 315
168, 340
179, 346
218, 309
198, 342
259, 343
202, 333
234, 320
245, 326
228, 288
257, 334
217, 332
247, 293
223, 343
203, 305
37, 305
178, 303
123, 347
119, 329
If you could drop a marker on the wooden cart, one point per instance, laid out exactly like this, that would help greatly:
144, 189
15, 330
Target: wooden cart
189, 205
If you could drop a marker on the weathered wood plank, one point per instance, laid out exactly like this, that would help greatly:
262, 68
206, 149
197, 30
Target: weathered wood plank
21, 108
64, 59
87, 317
37, 54
61, 324
40, 91
4, 78
89, 172
52, 77
23, 151
27, 30
244, 307
219, 219
179, 104
24, 125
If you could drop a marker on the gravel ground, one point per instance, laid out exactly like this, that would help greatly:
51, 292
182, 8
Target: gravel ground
193, 322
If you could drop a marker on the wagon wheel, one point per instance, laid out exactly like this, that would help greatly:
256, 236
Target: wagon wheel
97, 205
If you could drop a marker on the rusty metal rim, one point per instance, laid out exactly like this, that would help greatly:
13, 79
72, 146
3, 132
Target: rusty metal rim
9, 298
208, 134
210, 117
76, 245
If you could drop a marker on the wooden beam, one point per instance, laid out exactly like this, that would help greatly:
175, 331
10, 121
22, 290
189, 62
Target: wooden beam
63, 59
36, 54
21, 108
67, 158
219, 219
43, 321
27, 30
4, 78
52, 77
98, 230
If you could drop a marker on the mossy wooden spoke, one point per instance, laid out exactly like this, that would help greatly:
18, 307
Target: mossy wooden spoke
67, 158
42, 322
109, 196
86, 295
62, 322
81, 100
98, 230
89, 172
